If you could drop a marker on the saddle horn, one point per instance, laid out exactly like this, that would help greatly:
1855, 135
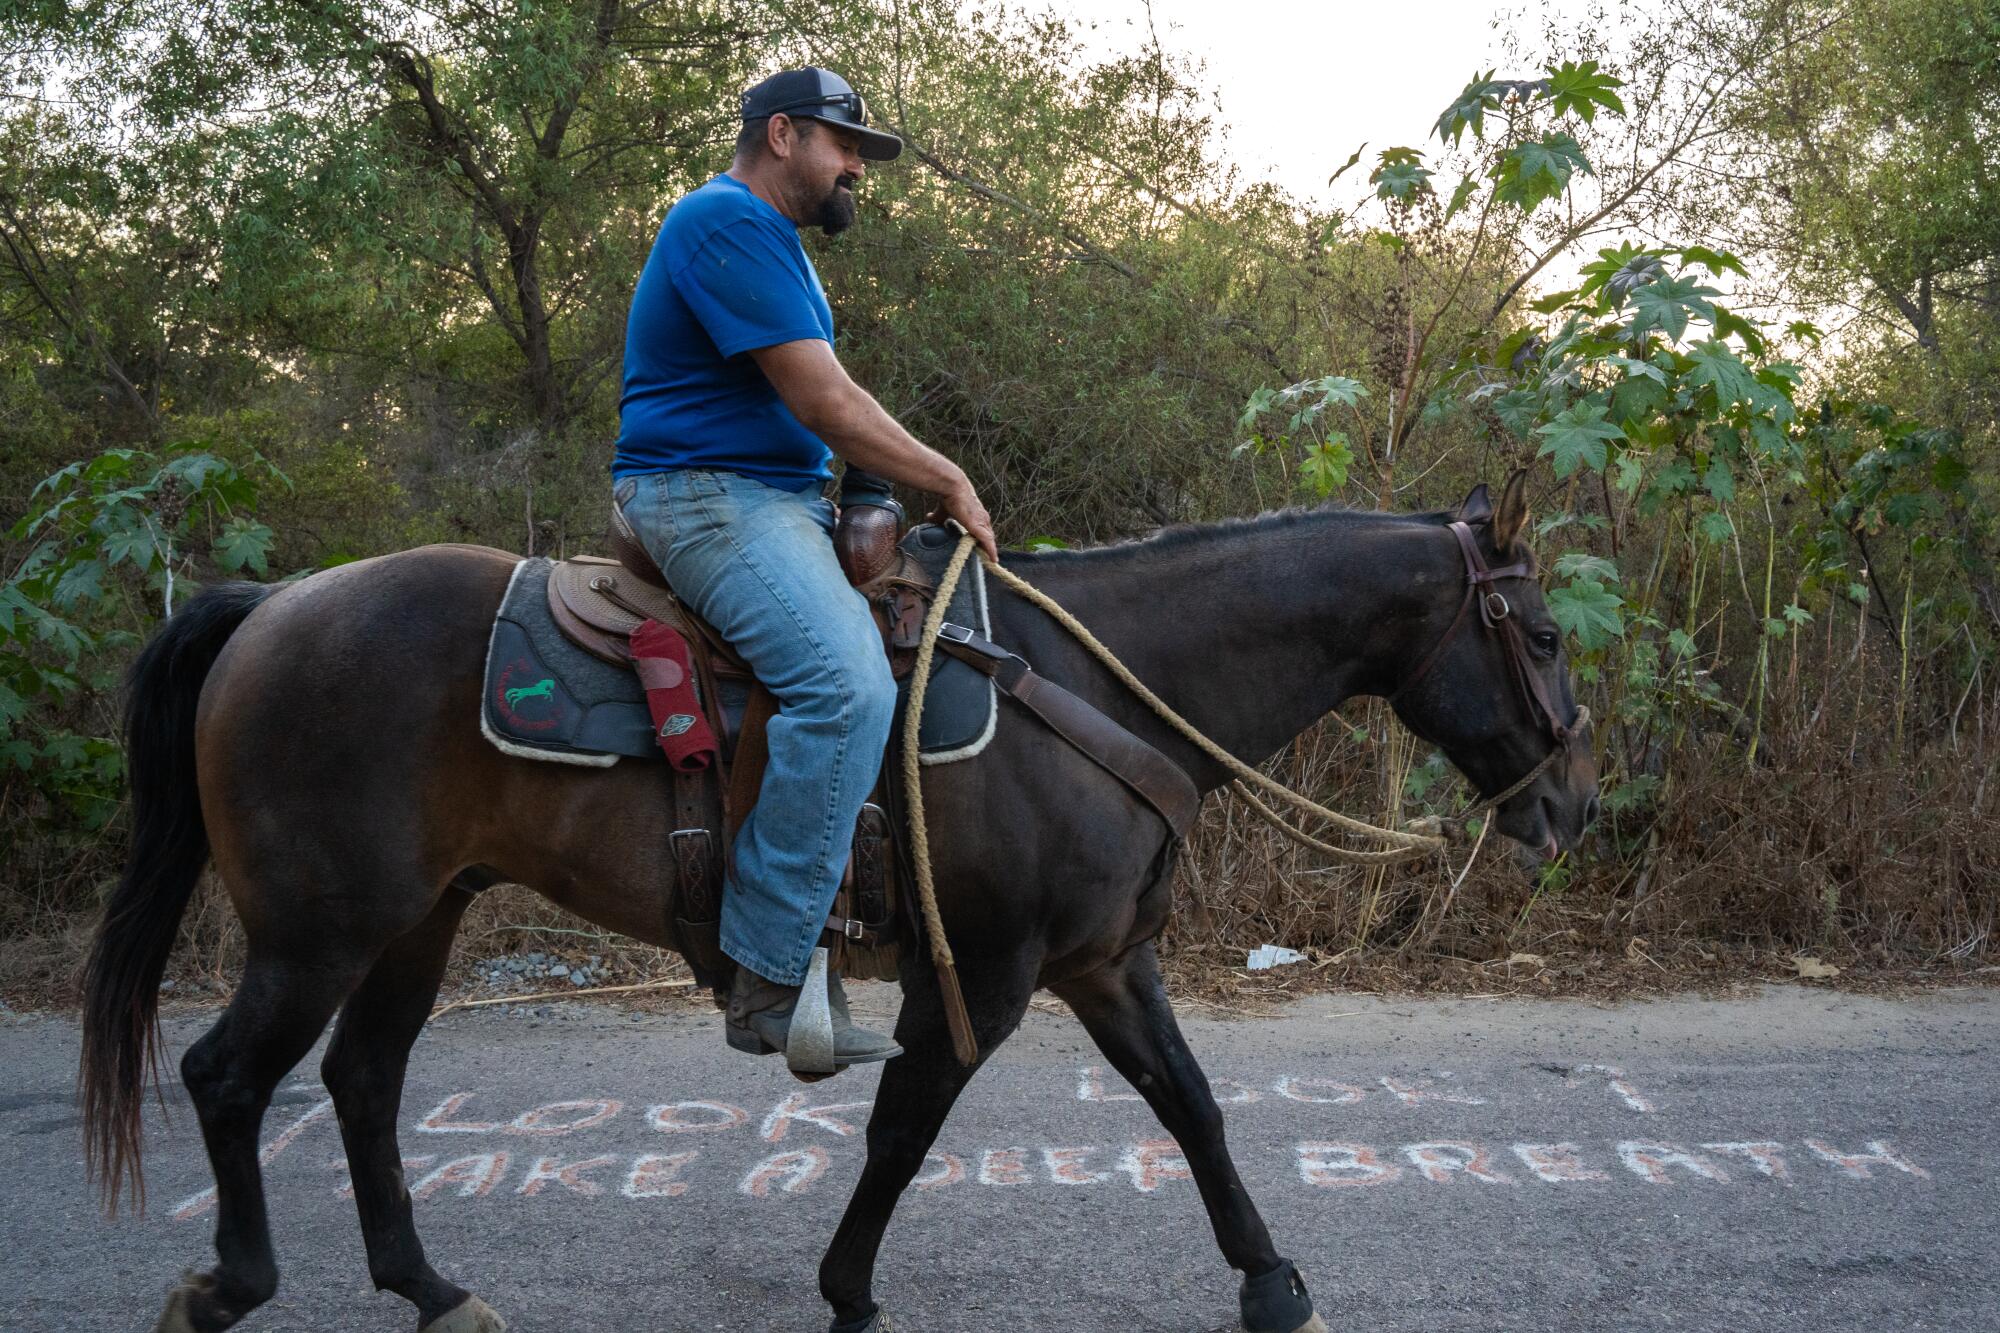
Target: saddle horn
871, 521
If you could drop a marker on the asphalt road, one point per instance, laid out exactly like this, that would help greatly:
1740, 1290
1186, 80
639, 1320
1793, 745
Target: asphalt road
1794, 1160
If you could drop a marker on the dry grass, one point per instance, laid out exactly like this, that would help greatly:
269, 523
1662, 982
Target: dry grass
511, 919
1884, 867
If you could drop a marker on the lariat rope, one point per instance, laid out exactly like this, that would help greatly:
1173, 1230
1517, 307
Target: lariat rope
963, 1043
1403, 846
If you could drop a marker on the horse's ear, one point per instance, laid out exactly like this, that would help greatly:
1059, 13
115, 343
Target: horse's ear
1512, 517
1477, 506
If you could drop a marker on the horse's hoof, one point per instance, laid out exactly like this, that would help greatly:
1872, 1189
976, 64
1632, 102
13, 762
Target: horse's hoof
470, 1315
175, 1318
178, 1317
1276, 1302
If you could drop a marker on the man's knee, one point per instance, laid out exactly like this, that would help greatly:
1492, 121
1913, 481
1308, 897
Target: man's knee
875, 696
855, 683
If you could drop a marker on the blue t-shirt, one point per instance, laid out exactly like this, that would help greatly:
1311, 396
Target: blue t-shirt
726, 275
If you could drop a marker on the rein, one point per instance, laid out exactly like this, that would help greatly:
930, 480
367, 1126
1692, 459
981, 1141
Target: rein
965, 1045
1402, 846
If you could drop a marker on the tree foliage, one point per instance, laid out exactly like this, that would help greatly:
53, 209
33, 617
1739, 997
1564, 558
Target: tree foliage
1666, 417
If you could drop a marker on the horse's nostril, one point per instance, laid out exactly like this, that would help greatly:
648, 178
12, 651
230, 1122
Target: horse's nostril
1590, 812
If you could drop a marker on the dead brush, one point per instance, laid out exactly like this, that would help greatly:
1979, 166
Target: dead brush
511, 920
48, 907
1836, 840
1873, 859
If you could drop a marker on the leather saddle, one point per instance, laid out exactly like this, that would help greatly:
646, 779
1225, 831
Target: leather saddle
597, 602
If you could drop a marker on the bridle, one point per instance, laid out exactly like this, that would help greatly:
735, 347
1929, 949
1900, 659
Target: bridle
1497, 615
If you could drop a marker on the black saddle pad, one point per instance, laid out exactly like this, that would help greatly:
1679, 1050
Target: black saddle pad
961, 707
546, 698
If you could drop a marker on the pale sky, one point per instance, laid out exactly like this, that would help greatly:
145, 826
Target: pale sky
1302, 85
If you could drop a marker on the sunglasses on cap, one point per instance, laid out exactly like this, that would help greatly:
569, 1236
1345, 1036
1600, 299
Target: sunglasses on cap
818, 94
852, 103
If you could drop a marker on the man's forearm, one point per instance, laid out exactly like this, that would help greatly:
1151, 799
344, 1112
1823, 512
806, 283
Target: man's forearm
857, 428
833, 407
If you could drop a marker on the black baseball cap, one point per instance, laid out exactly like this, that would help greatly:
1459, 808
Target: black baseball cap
820, 94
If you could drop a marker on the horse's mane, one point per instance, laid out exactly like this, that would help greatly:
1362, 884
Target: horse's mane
1178, 536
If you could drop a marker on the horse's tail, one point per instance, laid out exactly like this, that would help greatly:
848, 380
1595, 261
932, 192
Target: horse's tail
168, 850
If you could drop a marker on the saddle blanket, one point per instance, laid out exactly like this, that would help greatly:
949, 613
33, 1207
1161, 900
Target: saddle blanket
546, 698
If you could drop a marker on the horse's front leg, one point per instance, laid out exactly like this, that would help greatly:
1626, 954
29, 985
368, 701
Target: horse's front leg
917, 1092
1124, 1007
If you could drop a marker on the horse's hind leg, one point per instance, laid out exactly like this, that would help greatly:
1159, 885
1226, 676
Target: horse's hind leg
363, 1069
276, 1015
1125, 1009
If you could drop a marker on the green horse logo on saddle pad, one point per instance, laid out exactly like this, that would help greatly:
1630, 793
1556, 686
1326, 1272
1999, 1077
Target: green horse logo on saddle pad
545, 688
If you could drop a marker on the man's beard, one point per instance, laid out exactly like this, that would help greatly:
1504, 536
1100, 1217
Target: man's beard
835, 213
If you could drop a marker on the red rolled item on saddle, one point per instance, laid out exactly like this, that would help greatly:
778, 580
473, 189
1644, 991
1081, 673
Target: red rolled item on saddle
666, 668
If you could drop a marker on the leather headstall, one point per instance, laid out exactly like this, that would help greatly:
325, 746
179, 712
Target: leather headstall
1496, 613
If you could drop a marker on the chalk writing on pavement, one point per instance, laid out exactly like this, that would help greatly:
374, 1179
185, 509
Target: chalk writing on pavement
474, 1145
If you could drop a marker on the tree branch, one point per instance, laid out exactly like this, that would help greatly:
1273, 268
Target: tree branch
550, 144
1916, 312
29, 262
415, 71
985, 191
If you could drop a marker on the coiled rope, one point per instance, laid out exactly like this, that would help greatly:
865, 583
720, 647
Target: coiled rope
964, 1045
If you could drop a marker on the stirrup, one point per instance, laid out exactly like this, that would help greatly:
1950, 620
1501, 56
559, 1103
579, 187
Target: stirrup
809, 1043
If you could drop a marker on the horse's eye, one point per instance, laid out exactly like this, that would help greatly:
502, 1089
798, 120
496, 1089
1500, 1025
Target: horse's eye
1547, 642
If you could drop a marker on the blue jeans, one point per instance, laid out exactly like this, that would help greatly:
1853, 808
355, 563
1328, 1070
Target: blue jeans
757, 563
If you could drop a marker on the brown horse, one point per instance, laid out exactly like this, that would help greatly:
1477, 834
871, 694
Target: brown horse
319, 742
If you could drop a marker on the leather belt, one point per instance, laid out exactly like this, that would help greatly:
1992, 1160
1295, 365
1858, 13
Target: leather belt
1157, 780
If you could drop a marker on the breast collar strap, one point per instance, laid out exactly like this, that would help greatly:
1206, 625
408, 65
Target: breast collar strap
1496, 614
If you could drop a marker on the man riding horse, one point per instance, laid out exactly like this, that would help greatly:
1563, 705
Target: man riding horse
353, 823
733, 407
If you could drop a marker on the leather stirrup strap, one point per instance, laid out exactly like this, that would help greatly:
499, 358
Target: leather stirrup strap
701, 858
746, 770
852, 928
1158, 780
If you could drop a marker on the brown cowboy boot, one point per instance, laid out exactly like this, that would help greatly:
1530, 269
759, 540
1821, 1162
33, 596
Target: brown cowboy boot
809, 1024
